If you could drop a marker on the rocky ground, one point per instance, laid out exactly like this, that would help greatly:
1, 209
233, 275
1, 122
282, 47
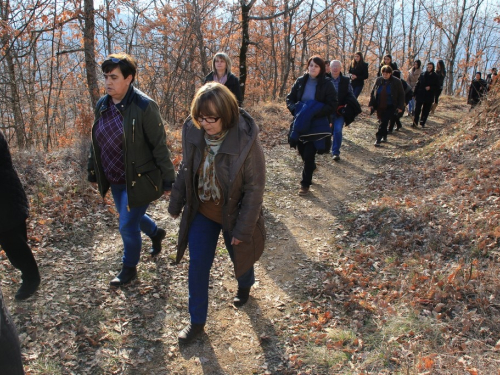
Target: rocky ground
357, 277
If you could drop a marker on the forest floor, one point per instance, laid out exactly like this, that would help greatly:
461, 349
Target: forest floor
389, 266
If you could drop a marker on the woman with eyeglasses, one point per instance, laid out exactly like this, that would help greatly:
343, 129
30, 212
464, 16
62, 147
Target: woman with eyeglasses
221, 73
219, 187
129, 156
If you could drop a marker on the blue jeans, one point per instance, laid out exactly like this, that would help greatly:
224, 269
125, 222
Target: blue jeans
411, 106
357, 90
132, 221
202, 240
338, 124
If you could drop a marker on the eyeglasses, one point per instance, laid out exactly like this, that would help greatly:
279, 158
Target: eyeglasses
209, 120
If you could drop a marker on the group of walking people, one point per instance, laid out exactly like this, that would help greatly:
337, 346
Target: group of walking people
219, 184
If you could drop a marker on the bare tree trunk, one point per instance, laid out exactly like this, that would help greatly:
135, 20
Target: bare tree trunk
89, 49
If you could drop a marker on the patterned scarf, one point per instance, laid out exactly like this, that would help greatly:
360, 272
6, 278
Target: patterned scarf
222, 80
208, 186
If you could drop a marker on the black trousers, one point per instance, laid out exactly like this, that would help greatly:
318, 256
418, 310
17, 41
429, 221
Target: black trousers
15, 244
395, 120
384, 116
424, 108
10, 350
308, 153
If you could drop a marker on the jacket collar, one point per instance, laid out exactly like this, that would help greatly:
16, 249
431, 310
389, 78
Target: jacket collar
123, 104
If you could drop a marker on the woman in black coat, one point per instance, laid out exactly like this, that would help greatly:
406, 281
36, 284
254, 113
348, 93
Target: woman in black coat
441, 73
387, 60
221, 73
359, 73
477, 90
425, 91
312, 90
13, 233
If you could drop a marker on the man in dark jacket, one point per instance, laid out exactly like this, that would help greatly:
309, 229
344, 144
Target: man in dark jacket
344, 90
13, 234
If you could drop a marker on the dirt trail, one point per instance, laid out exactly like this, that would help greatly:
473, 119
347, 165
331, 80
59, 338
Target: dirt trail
77, 325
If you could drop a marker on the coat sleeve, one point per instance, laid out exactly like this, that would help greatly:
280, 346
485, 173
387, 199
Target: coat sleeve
254, 179
292, 97
364, 70
155, 133
400, 94
178, 194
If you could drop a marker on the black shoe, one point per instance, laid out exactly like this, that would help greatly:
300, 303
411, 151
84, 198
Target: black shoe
126, 275
156, 247
27, 289
190, 332
377, 144
336, 157
241, 297
384, 139
422, 124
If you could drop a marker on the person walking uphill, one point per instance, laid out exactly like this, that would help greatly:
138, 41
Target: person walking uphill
129, 155
221, 73
424, 94
312, 100
346, 99
13, 233
387, 97
219, 186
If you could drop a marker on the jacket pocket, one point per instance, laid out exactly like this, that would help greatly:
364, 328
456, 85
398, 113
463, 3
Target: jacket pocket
149, 173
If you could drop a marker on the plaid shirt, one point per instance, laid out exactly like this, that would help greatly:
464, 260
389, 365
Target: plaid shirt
109, 136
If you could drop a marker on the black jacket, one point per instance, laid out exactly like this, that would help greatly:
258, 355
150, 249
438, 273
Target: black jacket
13, 203
426, 79
349, 107
361, 73
397, 92
393, 65
476, 91
232, 83
325, 93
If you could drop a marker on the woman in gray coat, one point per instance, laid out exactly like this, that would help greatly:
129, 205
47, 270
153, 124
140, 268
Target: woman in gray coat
219, 187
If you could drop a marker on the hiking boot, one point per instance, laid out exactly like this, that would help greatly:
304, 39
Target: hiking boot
190, 332
303, 190
27, 289
241, 297
336, 157
377, 143
126, 275
156, 247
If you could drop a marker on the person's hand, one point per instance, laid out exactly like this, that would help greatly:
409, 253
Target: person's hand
235, 241
427, 88
353, 76
400, 110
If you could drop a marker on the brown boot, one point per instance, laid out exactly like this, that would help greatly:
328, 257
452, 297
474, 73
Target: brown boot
303, 190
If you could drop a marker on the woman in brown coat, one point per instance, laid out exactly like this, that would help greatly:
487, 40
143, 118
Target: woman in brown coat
219, 186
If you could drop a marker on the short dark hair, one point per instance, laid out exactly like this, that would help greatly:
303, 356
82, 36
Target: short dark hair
214, 99
126, 63
386, 69
318, 61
